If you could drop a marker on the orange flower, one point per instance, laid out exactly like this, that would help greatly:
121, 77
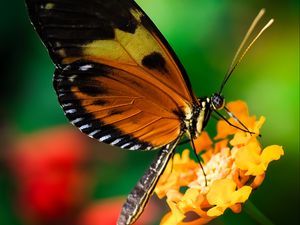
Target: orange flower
234, 166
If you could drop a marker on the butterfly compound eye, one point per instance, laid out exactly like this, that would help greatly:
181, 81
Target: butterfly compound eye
217, 102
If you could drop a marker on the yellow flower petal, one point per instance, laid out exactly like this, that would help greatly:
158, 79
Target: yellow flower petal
248, 156
199, 221
270, 153
165, 219
223, 195
171, 218
174, 195
258, 124
240, 138
176, 215
251, 159
190, 200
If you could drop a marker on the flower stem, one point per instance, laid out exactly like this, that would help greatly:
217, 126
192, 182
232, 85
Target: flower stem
256, 214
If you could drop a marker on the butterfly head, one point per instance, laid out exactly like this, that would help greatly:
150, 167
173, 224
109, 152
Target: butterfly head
217, 102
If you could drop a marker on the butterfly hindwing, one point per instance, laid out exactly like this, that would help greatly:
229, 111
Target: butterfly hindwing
110, 114
117, 79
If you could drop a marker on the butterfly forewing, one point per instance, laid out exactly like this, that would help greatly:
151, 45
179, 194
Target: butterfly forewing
117, 79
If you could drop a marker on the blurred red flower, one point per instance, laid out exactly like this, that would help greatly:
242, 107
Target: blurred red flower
51, 169
106, 212
53, 173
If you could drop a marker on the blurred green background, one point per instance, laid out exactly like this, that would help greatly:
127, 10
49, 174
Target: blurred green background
205, 35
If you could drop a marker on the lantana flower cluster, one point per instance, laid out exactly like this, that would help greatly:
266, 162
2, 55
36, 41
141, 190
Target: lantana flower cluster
234, 162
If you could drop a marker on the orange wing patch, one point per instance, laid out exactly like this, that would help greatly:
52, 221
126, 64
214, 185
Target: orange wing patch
124, 102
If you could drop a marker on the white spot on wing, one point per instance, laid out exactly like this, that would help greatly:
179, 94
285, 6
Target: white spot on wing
71, 78
61, 90
66, 105
135, 147
70, 111
116, 141
104, 137
93, 133
84, 126
85, 67
125, 145
76, 120
67, 68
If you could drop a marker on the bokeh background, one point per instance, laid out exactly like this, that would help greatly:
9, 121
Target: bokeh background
52, 174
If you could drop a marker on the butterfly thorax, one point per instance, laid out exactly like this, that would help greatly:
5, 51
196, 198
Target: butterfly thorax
202, 112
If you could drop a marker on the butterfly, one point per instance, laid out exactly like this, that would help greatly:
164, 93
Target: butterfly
118, 80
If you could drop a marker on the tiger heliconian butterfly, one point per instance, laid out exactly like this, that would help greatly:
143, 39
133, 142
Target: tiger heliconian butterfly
119, 81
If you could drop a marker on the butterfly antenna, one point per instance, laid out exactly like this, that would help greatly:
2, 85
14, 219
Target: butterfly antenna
199, 161
237, 57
